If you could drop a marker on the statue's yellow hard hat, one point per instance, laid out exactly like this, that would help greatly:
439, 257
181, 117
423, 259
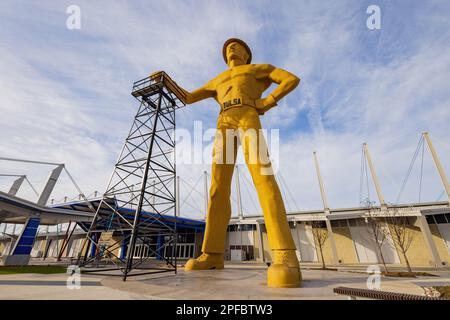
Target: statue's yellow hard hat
225, 45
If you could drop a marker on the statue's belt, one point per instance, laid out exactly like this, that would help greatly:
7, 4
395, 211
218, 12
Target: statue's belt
236, 102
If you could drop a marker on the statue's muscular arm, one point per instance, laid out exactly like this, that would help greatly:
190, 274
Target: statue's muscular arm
205, 92
286, 83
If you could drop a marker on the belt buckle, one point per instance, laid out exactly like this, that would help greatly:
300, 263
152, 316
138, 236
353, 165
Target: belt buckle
237, 102
231, 103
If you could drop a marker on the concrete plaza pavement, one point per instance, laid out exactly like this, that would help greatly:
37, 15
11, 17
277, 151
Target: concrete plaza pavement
238, 281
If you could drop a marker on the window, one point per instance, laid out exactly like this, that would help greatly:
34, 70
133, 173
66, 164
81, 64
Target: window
430, 219
248, 227
248, 251
263, 228
186, 237
335, 223
241, 227
411, 220
338, 223
318, 224
440, 218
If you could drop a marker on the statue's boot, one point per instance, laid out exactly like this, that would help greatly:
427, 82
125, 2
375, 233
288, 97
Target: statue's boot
284, 272
206, 261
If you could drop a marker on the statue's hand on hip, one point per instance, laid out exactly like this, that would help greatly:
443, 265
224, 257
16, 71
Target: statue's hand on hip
265, 104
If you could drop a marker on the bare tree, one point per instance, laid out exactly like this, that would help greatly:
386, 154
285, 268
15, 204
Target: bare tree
377, 229
401, 232
320, 235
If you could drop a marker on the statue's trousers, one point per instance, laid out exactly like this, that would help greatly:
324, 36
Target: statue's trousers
241, 124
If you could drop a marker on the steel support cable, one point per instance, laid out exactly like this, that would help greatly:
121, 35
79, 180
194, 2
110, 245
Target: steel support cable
26, 179
60, 200
247, 186
408, 173
364, 178
197, 207
442, 143
440, 196
31, 186
193, 207
289, 191
79, 190
206, 196
192, 189
283, 187
234, 200
30, 161
91, 195
280, 183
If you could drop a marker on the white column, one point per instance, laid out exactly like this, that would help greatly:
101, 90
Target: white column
425, 229
177, 197
438, 165
154, 192
16, 186
374, 175
205, 190
261, 242
319, 177
326, 209
238, 191
45, 194
132, 196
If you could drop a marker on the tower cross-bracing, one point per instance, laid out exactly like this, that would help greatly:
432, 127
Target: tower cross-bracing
139, 205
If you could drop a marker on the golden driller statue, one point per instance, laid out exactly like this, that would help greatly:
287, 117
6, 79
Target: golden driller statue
238, 90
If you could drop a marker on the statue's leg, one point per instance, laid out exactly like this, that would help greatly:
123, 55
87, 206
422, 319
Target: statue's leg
219, 206
284, 271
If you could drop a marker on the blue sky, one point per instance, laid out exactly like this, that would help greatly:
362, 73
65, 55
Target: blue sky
65, 94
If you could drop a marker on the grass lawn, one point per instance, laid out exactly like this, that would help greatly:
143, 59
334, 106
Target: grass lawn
32, 269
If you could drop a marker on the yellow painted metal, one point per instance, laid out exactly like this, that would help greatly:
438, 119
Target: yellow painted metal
242, 43
206, 261
238, 91
284, 272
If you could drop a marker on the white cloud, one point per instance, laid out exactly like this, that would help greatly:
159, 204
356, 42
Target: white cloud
65, 95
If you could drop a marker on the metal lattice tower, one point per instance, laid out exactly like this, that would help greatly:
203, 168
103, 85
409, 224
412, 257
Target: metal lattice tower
140, 197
